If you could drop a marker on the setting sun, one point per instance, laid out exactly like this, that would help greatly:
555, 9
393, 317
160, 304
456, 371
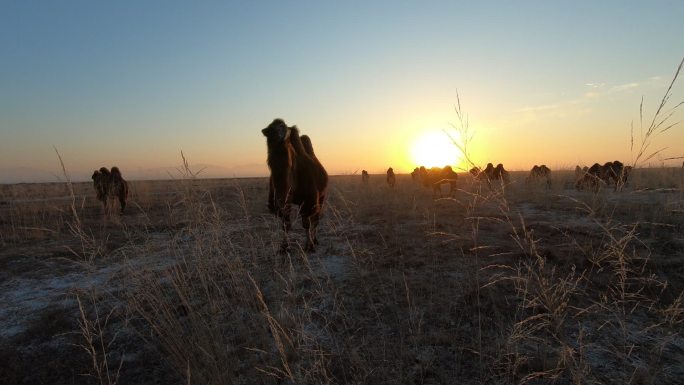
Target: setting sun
434, 149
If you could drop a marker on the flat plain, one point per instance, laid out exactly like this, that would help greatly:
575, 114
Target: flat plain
504, 285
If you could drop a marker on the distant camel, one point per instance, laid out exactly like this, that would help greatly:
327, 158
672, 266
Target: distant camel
436, 177
364, 177
491, 173
591, 178
391, 178
118, 187
110, 185
616, 172
297, 176
540, 173
100, 183
481, 174
500, 173
606, 174
476, 172
415, 174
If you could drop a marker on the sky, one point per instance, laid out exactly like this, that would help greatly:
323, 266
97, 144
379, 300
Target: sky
134, 83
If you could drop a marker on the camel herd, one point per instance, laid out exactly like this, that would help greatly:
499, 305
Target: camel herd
613, 173
298, 177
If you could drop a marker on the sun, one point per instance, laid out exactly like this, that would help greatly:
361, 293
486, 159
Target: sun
434, 149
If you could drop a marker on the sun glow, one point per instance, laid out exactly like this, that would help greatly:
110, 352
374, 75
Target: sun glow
434, 149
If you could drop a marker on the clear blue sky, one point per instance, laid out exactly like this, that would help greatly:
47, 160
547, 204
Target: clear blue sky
132, 83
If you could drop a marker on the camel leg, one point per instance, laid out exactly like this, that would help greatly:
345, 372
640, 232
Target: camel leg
310, 223
314, 227
271, 198
285, 213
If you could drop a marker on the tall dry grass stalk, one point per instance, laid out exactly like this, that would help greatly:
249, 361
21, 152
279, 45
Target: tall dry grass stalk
95, 342
465, 134
70, 187
659, 124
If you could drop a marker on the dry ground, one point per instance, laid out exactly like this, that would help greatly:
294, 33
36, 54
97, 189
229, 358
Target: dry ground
495, 286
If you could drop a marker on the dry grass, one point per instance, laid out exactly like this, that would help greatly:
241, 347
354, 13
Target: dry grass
515, 285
